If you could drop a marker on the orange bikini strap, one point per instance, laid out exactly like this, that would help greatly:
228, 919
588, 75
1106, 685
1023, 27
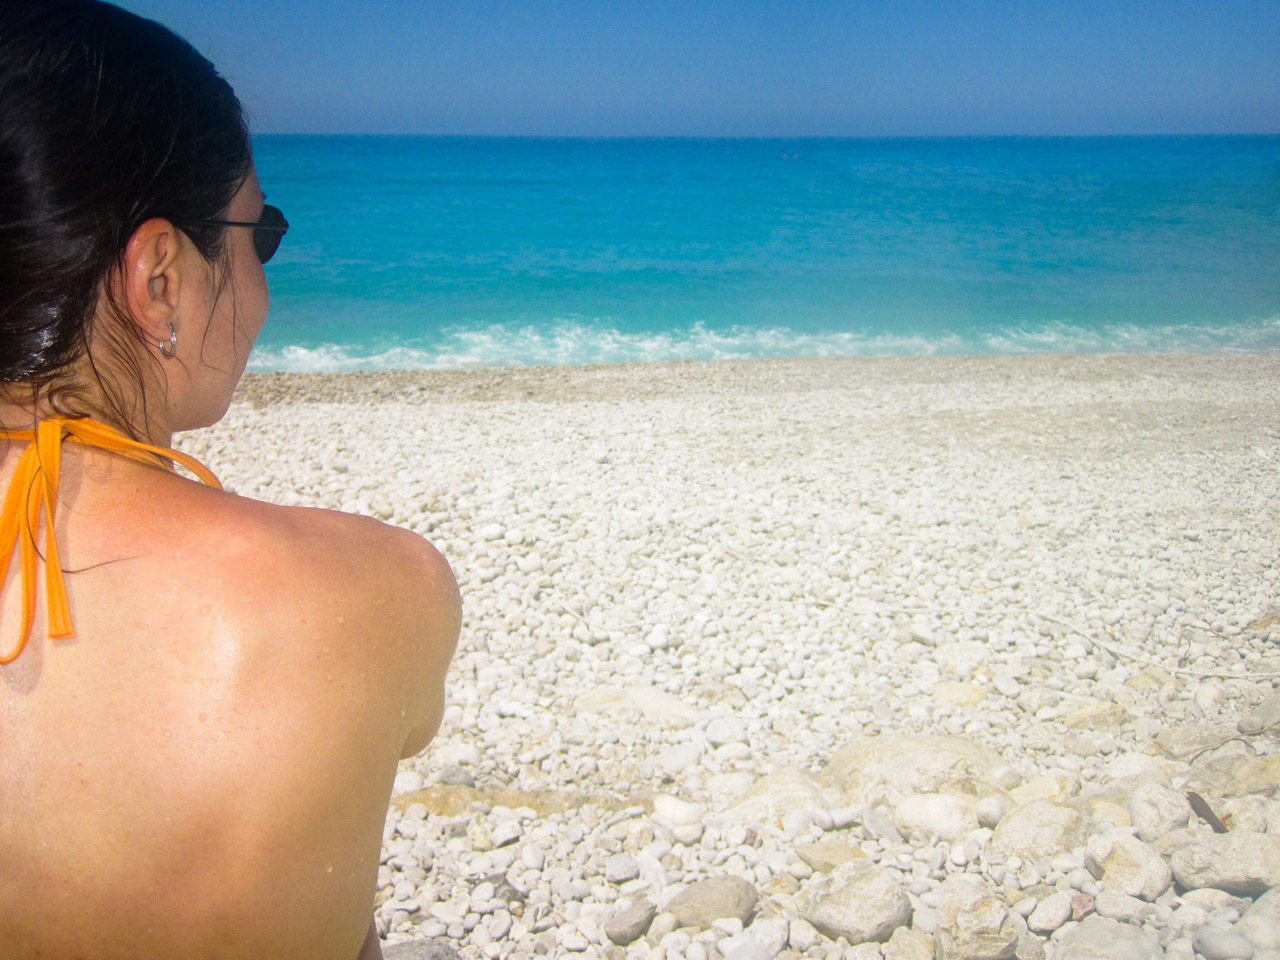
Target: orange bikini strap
35, 485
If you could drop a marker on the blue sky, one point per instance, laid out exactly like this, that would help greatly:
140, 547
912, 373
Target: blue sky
743, 67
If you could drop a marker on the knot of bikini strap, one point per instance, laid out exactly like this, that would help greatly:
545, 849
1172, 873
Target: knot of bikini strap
33, 492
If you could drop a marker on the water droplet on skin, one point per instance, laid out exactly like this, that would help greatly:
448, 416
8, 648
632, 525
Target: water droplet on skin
206, 682
328, 868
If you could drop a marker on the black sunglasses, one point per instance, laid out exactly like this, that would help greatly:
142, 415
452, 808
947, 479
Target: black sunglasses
267, 232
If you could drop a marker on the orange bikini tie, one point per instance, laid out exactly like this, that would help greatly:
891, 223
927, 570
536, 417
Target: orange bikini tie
35, 485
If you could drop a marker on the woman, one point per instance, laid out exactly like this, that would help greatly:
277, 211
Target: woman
203, 698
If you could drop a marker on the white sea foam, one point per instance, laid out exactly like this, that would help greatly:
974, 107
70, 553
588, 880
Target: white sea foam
575, 343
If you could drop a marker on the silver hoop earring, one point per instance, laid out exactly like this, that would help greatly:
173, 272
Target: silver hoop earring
167, 350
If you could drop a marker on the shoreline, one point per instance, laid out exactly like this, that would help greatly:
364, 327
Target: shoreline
593, 381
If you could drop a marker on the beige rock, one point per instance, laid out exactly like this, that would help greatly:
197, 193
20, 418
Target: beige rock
961, 657
1177, 839
975, 923
786, 791
825, 855
1125, 864
908, 944
1155, 810
858, 901
1189, 739
1244, 864
1039, 829
801, 935
1273, 816
660, 707
630, 925
707, 900
1051, 912
1131, 770
783, 885
675, 812
1208, 899
1262, 717
947, 816
885, 770
1261, 921
608, 700
1114, 905
957, 693
1259, 775
1109, 718
1097, 938
1153, 679
1055, 787
1244, 813
1106, 810
1030, 947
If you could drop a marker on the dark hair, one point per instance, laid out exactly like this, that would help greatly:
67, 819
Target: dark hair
106, 121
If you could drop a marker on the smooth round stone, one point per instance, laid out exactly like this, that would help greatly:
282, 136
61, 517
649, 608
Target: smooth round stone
620, 868
574, 943
801, 934
1007, 685
1219, 943
456, 775
687, 833
406, 781
726, 730
679, 758
1260, 922
533, 856
1079, 877
1051, 913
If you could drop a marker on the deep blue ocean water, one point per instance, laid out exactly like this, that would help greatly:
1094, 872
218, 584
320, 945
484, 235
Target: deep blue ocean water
460, 251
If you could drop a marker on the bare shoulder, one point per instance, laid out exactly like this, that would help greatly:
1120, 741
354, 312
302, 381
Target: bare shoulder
389, 587
397, 568
335, 559
350, 587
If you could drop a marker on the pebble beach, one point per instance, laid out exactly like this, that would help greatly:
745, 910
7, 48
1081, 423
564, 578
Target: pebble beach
943, 657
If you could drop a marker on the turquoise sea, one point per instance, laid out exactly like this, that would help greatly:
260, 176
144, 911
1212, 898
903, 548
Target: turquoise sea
447, 252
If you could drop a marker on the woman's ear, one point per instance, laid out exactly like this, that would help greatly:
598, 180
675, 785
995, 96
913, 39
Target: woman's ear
152, 277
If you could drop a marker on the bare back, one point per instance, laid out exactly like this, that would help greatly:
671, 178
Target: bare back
203, 771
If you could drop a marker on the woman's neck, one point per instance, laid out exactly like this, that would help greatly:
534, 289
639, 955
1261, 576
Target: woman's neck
18, 415
132, 399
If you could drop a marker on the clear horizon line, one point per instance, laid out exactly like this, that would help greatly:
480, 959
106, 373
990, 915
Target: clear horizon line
767, 136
